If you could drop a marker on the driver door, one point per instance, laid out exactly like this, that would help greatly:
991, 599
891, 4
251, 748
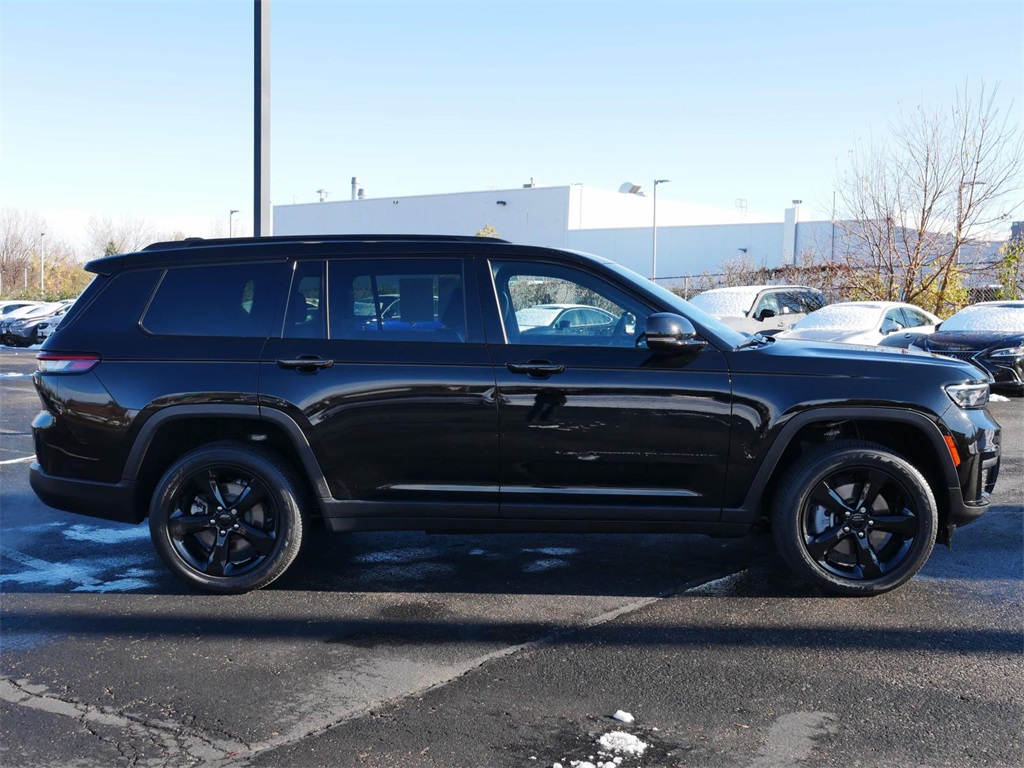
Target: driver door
593, 425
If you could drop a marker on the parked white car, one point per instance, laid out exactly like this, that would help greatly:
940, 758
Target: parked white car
13, 305
861, 322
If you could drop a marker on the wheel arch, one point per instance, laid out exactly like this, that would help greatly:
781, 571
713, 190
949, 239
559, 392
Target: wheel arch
172, 431
920, 442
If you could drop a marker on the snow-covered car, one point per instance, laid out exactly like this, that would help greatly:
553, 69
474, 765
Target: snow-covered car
861, 322
990, 335
765, 309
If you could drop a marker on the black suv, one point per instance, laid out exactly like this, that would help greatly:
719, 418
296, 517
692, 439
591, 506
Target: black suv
238, 391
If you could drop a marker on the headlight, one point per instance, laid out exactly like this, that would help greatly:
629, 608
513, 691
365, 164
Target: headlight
1017, 351
968, 395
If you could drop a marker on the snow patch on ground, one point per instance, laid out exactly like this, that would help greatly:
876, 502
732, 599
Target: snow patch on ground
998, 398
117, 585
623, 716
554, 551
397, 555
622, 743
13, 375
106, 535
545, 565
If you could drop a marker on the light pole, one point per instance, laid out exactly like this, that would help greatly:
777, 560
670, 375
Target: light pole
42, 264
231, 229
654, 229
959, 223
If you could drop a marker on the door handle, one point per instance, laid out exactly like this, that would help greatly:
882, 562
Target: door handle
537, 368
306, 363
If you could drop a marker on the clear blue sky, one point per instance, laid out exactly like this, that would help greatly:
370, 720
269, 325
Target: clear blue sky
145, 108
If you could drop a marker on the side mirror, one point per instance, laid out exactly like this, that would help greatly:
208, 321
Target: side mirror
765, 314
668, 332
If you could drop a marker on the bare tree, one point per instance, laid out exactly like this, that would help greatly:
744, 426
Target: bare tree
106, 236
915, 208
20, 243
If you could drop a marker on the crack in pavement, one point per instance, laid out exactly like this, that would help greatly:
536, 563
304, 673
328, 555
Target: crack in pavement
173, 740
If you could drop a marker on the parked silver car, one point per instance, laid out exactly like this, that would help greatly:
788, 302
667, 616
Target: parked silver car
765, 309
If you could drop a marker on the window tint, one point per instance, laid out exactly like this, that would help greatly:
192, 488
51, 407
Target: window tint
549, 304
397, 300
236, 300
304, 316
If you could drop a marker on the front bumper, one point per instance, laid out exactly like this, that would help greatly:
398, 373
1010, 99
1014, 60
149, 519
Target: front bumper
977, 438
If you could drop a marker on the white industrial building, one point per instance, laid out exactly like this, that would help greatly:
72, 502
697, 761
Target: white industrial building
618, 225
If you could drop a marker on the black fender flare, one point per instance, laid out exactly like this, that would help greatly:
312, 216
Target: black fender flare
841, 413
253, 413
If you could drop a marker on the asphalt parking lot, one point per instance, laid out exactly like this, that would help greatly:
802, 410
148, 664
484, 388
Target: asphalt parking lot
456, 651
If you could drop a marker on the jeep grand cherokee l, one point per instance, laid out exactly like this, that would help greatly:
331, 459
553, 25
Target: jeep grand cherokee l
234, 391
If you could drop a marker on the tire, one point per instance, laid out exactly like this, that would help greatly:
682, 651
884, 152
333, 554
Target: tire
227, 517
854, 518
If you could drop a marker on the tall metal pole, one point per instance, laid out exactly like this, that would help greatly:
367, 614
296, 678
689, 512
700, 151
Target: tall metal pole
654, 230
42, 264
231, 216
261, 119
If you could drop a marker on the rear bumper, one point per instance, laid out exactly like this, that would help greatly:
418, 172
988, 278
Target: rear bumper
109, 501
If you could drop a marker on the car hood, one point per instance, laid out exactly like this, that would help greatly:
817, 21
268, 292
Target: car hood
966, 341
810, 358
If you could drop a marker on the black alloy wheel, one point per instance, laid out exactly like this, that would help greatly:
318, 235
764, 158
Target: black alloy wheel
227, 518
855, 518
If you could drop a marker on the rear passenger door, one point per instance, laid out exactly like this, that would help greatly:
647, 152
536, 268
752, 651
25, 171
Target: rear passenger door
382, 364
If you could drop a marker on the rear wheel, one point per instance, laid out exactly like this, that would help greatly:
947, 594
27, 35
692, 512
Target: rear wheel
227, 517
855, 518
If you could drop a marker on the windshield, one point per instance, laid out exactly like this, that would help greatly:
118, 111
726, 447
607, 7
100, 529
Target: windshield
698, 316
840, 317
1003, 318
726, 302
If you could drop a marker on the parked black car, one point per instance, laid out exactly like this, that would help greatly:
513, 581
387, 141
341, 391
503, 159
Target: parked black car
990, 335
234, 391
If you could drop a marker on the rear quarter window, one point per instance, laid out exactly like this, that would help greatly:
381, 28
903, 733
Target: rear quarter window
234, 300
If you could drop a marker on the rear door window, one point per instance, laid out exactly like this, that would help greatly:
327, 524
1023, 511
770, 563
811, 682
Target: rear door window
397, 300
234, 300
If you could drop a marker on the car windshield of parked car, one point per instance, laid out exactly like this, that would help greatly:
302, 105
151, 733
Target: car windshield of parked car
531, 317
840, 317
44, 309
1002, 318
675, 303
728, 302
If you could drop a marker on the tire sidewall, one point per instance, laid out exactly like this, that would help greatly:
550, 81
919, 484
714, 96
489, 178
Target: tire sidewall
279, 485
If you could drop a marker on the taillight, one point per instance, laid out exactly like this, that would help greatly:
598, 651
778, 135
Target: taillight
58, 362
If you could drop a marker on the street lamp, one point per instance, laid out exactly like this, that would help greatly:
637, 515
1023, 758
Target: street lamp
42, 262
959, 223
654, 229
231, 229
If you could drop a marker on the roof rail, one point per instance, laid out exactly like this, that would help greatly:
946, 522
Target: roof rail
191, 242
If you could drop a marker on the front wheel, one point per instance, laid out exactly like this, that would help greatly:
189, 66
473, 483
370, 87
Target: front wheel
854, 518
227, 517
